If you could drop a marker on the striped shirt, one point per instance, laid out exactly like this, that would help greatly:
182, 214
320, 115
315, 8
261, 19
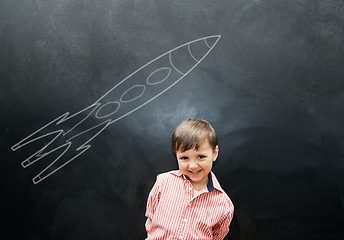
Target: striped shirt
175, 212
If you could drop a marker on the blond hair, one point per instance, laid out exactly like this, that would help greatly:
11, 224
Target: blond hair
190, 134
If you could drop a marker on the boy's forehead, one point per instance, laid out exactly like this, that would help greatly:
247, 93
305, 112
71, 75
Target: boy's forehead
202, 146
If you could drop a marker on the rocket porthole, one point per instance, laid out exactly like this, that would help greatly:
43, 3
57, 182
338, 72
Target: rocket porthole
108, 109
132, 93
158, 76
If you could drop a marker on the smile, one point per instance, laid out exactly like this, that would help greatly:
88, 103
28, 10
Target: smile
195, 172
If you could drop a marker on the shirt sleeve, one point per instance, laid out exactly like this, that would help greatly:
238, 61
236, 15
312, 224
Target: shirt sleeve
152, 203
222, 227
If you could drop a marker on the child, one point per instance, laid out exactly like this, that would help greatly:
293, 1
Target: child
189, 203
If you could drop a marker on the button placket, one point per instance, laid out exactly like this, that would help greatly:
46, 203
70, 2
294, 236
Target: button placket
185, 218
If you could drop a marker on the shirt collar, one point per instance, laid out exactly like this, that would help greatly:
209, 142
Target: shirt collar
212, 183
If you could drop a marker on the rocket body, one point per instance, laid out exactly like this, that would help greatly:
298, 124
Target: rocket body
153, 79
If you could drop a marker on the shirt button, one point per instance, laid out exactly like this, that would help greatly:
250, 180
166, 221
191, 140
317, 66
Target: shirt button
185, 220
189, 204
190, 188
180, 237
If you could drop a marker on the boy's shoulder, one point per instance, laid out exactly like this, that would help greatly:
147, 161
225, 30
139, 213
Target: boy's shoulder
169, 174
217, 186
167, 178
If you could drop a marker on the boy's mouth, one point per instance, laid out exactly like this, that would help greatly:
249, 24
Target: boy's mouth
195, 172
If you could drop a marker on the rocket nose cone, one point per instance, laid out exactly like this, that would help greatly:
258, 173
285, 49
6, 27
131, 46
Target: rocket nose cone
212, 40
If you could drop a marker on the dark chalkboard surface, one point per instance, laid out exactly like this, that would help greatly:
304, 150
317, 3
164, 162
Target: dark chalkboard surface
91, 92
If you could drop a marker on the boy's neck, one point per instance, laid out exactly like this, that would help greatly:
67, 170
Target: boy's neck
198, 186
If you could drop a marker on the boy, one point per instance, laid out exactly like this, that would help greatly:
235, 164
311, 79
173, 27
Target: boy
189, 203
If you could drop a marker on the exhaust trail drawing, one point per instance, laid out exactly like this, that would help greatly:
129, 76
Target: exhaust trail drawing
133, 92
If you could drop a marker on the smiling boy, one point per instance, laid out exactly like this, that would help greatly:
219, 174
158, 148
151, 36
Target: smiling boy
189, 203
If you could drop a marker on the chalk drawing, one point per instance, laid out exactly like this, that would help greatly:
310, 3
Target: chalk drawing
147, 83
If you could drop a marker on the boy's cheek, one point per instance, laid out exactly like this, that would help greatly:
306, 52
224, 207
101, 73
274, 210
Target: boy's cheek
182, 165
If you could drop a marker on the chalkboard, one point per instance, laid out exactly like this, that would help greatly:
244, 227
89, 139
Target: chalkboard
91, 92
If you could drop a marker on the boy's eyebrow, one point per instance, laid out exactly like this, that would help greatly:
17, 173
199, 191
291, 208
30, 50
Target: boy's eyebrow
183, 154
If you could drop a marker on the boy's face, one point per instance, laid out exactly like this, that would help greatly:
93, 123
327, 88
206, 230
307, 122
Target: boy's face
197, 164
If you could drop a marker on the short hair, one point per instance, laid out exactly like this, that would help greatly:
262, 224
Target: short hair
190, 134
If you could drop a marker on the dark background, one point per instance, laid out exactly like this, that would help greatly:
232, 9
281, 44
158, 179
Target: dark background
272, 87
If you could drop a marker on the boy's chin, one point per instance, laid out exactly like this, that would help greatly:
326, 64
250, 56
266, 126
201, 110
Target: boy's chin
195, 175
196, 179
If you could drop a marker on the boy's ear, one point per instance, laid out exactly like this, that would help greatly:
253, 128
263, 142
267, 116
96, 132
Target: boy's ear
216, 152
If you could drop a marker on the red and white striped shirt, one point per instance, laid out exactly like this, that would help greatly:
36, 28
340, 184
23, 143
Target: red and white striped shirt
175, 211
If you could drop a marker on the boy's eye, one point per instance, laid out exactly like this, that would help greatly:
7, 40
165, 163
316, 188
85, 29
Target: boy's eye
183, 158
201, 156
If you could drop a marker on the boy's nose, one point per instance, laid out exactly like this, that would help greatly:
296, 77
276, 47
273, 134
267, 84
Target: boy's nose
193, 165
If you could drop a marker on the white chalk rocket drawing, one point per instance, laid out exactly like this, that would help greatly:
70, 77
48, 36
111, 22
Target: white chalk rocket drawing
147, 83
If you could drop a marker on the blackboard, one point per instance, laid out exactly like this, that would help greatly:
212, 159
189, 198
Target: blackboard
91, 92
